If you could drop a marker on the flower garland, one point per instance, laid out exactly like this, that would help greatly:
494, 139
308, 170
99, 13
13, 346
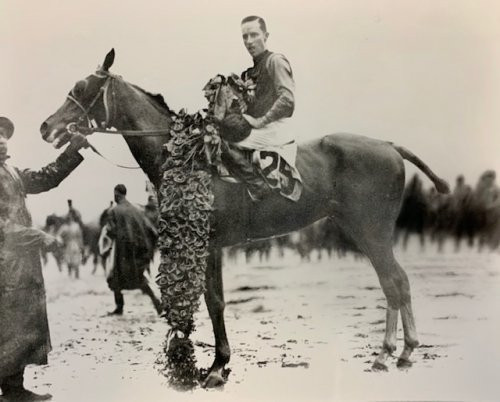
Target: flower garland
185, 204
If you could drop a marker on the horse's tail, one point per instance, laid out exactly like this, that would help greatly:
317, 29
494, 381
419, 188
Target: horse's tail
441, 185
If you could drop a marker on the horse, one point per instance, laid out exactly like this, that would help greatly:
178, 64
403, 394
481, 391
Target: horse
90, 233
355, 180
53, 223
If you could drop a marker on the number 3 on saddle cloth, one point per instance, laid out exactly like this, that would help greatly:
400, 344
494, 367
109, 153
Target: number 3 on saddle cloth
275, 164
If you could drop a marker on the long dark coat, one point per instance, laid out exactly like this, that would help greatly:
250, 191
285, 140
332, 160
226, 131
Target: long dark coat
24, 331
134, 241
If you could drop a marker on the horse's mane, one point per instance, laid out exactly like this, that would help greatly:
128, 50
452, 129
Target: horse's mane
157, 100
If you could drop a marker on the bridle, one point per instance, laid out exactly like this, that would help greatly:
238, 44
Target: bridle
76, 127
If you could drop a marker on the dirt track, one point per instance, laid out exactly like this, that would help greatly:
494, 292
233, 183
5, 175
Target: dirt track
298, 332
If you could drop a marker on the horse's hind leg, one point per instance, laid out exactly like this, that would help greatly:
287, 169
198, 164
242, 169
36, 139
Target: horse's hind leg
396, 287
214, 298
410, 333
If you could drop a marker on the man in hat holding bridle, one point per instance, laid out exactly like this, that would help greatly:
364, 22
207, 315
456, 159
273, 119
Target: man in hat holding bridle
24, 336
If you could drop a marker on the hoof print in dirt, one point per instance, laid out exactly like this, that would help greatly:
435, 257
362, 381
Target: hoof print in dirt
295, 365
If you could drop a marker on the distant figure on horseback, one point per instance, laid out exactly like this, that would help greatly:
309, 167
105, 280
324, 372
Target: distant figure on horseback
75, 213
273, 104
72, 239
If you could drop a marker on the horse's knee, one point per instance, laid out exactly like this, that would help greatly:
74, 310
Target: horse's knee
219, 305
214, 303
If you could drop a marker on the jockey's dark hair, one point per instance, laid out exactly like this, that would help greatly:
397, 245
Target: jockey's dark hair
121, 189
251, 18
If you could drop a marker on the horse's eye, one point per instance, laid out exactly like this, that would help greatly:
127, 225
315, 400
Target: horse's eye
79, 89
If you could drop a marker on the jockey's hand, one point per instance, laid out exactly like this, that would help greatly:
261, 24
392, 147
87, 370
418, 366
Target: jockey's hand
77, 141
255, 122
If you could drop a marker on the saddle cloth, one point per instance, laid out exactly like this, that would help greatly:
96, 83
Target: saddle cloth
277, 167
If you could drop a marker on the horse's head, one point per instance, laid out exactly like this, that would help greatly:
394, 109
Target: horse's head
52, 223
85, 103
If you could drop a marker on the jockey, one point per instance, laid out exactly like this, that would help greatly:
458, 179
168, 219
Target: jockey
274, 90
273, 104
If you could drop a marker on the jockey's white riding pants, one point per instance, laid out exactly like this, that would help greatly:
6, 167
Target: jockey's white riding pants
277, 136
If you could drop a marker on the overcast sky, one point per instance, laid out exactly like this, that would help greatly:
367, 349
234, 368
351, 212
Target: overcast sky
424, 74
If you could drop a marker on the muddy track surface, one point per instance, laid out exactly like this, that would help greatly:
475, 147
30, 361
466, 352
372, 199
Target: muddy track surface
298, 332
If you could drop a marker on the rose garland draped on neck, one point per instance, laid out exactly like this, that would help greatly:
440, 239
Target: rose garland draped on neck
186, 200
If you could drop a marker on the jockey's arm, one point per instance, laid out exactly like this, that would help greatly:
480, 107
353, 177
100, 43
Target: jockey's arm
281, 73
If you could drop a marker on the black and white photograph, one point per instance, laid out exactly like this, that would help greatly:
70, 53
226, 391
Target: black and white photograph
249, 201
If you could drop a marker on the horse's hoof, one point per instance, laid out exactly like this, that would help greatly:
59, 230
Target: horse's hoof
377, 366
213, 380
404, 363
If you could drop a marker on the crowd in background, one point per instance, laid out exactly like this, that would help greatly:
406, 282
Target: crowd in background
469, 216
87, 240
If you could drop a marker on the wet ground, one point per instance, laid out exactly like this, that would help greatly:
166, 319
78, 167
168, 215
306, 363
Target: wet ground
299, 331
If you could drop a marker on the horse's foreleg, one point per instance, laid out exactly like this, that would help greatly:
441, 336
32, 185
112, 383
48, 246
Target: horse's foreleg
214, 298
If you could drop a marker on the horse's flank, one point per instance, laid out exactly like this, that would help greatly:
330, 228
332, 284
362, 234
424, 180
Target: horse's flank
338, 171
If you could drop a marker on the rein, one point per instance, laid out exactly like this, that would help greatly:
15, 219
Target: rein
125, 133
75, 128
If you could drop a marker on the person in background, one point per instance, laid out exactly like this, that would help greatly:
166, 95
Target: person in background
133, 236
72, 238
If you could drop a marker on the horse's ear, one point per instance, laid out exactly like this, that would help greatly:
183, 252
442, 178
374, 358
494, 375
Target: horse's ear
108, 61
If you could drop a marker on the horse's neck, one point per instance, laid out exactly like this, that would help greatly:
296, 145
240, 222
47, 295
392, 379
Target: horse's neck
134, 111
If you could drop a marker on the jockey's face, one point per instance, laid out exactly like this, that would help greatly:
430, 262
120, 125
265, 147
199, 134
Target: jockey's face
254, 38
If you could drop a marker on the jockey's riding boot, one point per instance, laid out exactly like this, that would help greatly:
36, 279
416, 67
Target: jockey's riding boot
238, 162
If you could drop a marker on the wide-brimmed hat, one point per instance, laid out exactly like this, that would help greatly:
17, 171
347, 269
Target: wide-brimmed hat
7, 126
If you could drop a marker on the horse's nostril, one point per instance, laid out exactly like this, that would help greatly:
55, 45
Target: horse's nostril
43, 129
